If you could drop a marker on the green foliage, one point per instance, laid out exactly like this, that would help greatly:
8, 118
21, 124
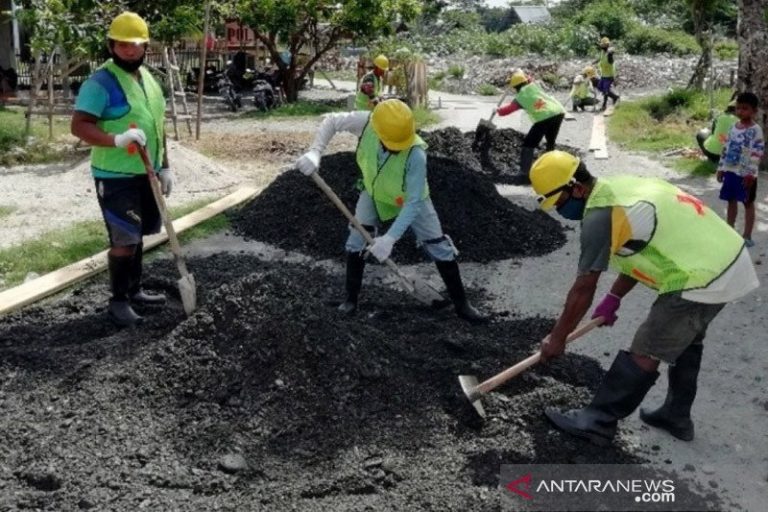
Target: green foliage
298, 109
726, 49
14, 148
5, 211
487, 90
182, 21
456, 70
643, 39
424, 117
611, 18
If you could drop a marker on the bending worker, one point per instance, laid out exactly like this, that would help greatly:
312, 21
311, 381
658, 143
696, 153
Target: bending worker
393, 163
370, 87
119, 95
544, 110
712, 141
653, 233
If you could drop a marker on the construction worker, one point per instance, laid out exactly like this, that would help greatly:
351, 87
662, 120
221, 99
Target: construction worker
370, 87
582, 94
393, 163
118, 106
607, 67
653, 233
712, 141
544, 110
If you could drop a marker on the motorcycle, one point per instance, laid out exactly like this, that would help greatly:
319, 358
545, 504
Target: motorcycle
264, 95
229, 93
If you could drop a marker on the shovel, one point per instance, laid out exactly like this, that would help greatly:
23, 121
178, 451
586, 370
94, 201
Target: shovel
475, 391
484, 127
187, 286
421, 290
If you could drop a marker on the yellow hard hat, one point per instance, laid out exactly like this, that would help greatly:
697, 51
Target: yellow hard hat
550, 174
381, 62
129, 27
605, 41
393, 122
589, 71
517, 78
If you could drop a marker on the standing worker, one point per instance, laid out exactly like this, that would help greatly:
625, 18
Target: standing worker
654, 233
544, 110
393, 163
370, 86
120, 105
607, 67
712, 141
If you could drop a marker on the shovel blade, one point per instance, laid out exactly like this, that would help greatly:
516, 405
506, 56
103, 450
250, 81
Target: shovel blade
482, 133
188, 292
425, 292
468, 386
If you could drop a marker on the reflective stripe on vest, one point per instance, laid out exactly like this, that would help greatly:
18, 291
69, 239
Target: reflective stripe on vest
607, 70
723, 124
385, 183
362, 100
691, 245
538, 104
147, 111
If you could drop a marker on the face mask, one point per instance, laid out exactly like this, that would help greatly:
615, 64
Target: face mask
573, 208
128, 65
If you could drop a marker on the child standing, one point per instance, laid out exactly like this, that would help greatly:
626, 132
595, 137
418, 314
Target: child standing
739, 163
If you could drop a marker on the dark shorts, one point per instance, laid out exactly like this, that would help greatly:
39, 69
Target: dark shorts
672, 325
605, 84
733, 189
129, 209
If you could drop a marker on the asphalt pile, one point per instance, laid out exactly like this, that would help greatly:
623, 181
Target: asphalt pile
293, 214
268, 399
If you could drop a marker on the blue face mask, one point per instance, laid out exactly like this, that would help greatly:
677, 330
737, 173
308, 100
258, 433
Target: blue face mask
573, 208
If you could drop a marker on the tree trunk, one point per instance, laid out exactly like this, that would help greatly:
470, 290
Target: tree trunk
704, 38
291, 85
753, 54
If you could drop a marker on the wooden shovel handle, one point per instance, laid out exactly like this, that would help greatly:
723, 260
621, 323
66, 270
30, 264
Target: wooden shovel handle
514, 371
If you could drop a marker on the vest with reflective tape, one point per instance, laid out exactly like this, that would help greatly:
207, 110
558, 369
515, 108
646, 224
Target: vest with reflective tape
723, 124
147, 111
691, 245
362, 99
607, 70
385, 183
538, 104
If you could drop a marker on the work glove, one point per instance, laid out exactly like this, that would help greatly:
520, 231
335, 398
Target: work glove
309, 162
382, 247
167, 179
129, 136
607, 309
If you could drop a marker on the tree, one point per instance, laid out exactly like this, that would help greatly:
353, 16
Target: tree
753, 51
702, 16
315, 26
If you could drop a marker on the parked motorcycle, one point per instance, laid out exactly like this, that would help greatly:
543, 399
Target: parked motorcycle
265, 97
229, 93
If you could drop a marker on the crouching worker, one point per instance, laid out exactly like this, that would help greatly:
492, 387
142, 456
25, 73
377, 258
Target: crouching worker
582, 94
653, 233
712, 141
393, 163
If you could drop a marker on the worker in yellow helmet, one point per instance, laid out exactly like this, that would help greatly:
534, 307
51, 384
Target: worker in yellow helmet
393, 162
607, 64
546, 112
582, 93
121, 105
370, 87
653, 233
712, 141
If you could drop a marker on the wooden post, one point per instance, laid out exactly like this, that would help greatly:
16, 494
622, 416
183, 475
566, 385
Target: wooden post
171, 90
201, 76
51, 99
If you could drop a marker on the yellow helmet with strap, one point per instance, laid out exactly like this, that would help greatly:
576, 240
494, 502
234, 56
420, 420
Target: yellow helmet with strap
393, 122
129, 27
551, 174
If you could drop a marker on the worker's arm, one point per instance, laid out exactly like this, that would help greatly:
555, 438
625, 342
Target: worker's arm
509, 108
623, 285
165, 164
352, 122
83, 126
415, 181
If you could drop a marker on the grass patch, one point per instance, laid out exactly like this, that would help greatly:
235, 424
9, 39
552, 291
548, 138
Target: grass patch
456, 71
297, 109
659, 124
425, 117
56, 249
347, 75
5, 211
695, 167
13, 150
487, 90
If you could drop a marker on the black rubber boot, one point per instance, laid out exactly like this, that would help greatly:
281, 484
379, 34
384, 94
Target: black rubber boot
674, 415
135, 293
120, 311
355, 267
449, 271
623, 388
526, 160
614, 97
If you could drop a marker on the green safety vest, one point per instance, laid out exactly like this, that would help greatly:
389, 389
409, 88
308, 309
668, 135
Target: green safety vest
385, 183
538, 104
147, 111
607, 70
723, 124
691, 245
362, 99
581, 90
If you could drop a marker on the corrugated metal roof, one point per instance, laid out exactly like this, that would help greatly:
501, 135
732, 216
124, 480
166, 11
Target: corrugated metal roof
532, 13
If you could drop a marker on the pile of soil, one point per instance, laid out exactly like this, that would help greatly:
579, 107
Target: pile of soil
268, 399
496, 156
294, 214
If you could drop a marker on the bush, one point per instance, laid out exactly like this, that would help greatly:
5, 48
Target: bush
456, 70
660, 107
11, 132
611, 18
487, 90
646, 40
727, 49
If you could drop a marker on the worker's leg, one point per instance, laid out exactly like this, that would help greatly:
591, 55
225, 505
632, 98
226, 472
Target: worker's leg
150, 224
604, 86
673, 322
530, 141
552, 130
365, 212
439, 247
749, 213
120, 199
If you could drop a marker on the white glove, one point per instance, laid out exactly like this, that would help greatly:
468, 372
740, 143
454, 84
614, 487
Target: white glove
167, 179
309, 162
382, 247
131, 135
